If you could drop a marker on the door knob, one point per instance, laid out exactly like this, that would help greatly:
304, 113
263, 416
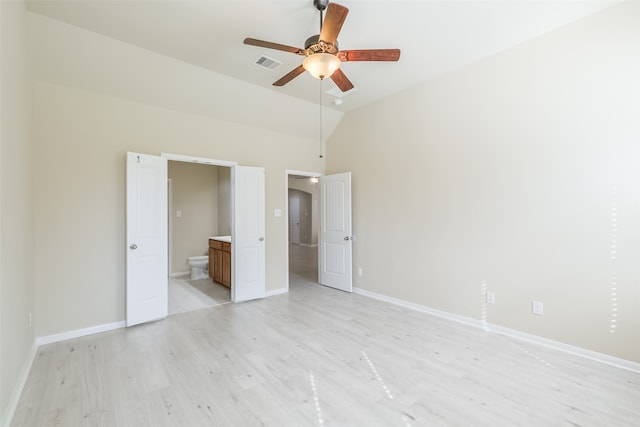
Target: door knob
346, 238
133, 246
261, 239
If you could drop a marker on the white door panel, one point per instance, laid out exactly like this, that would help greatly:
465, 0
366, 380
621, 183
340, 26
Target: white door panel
248, 245
147, 263
335, 254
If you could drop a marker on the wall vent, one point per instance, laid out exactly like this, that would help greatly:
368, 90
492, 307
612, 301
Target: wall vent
268, 63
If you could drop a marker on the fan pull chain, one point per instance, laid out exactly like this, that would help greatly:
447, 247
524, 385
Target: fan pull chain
320, 96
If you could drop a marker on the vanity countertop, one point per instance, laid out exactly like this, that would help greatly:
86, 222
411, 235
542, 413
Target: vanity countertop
221, 238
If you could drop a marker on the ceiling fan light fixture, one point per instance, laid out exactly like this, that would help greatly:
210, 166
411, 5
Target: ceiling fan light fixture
321, 65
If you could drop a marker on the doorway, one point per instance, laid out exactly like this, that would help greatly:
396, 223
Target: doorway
146, 272
302, 218
199, 209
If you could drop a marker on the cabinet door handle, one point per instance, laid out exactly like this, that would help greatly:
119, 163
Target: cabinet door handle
261, 239
133, 246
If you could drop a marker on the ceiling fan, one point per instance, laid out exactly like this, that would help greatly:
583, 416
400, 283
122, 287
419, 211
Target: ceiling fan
322, 56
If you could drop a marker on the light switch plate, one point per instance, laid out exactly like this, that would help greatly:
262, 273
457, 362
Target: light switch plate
491, 298
537, 307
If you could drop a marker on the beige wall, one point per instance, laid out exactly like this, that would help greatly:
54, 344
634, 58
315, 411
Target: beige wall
16, 195
521, 171
80, 222
195, 195
81, 137
224, 201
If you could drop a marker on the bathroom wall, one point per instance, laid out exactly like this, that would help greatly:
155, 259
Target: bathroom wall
305, 215
194, 215
224, 201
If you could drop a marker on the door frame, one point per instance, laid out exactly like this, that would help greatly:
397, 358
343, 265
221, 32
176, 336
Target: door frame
287, 173
169, 223
193, 159
186, 159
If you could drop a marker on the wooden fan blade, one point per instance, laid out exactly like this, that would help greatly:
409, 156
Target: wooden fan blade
336, 14
341, 80
369, 55
290, 76
270, 45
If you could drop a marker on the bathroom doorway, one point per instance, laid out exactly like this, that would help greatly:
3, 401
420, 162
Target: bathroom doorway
147, 261
302, 219
199, 208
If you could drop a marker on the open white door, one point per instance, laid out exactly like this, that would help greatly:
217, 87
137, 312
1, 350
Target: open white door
146, 238
248, 233
335, 238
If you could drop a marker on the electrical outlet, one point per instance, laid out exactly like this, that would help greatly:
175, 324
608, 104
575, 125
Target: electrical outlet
537, 307
360, 271
491, 298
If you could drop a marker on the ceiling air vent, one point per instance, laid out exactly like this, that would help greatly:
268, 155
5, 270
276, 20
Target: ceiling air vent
340, 94
268, 63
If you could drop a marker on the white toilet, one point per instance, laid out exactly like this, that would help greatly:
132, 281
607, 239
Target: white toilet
198, 266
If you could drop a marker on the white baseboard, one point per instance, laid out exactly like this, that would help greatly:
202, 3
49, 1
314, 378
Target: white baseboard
276, 292
79, 333
180, 274
9, 412
556, 345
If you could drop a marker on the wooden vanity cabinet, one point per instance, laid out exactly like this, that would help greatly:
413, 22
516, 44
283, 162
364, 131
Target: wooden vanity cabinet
220, 262
212, 265
226, 264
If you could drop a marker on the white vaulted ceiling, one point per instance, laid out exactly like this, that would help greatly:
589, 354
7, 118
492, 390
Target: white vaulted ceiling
435, 37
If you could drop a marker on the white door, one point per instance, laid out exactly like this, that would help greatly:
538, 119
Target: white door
248, 234
146, 238
294, 220
335, 238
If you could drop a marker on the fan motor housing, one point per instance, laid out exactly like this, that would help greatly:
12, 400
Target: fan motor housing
314, 45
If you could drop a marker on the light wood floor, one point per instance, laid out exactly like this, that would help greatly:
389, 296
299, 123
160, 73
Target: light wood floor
318, 357
303, 262
188, 295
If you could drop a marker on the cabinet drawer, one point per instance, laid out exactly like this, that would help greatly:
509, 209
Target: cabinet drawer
226, 247
215, 244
